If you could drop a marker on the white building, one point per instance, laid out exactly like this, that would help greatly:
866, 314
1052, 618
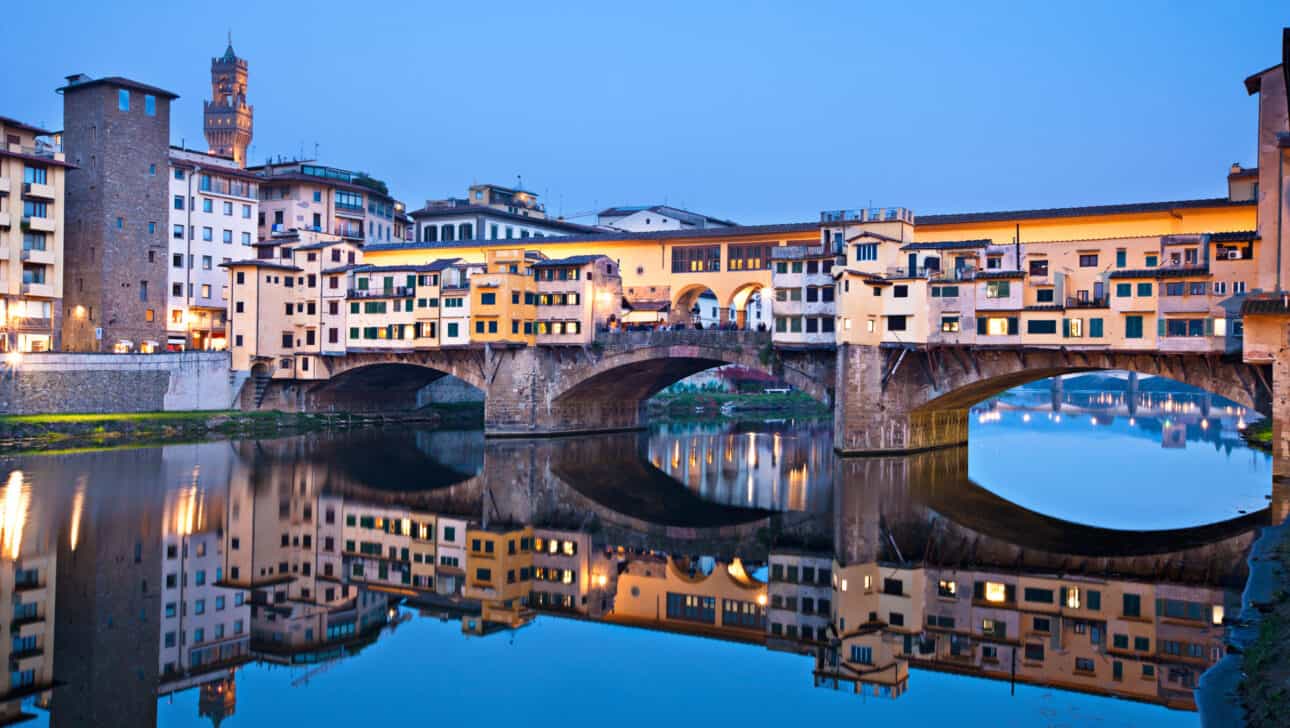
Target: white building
650, 218
490, 212
214, 208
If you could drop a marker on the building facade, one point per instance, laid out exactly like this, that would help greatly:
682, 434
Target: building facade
117, 134
33, 171
489, 212
214, 208
306, 196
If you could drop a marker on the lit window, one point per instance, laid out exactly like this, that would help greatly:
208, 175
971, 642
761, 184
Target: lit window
996, 326
1218, 614
995, 592
1072, 597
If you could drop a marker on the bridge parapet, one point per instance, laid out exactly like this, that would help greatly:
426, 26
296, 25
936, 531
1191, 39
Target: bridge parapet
615, 342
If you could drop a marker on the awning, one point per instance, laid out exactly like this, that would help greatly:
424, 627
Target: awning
643, 317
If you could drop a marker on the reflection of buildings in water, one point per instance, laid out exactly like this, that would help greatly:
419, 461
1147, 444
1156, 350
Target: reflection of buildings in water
28, 562
924, 570
775, 470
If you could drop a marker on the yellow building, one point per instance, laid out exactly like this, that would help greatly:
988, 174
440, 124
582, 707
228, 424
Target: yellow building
503, 299
499, 575
32, 175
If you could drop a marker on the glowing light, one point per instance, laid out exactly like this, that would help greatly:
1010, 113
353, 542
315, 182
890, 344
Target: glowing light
995, 592
1092, 420
13, 358
1204, 424
13, 515
78, 507
1057, 419
761, 600
602, 580
1025, 417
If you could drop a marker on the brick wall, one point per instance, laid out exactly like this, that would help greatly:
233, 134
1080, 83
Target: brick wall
69, 383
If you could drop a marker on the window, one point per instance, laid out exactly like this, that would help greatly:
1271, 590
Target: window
123, 100
150, 105
1133, 327
1083, 664
1132, 605
861, 655
1042, 596
897, 323
1039, 268
488, 299
1095, 328
1044, 295
997, 289
1121, 258
900, 291
1123, 290
1041, 326
1175, 288
1088, 260
1035, 652
950, 324
1144, 290
867, 251
696, 258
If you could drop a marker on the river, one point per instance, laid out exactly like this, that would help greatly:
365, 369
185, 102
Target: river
1072, 565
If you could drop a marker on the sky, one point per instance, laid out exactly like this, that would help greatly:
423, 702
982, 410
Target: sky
757, 112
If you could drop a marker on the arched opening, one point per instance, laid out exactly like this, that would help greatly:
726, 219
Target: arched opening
751, 307
696, 307
395, 387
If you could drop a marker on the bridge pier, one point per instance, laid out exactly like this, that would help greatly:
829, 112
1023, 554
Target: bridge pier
878, 411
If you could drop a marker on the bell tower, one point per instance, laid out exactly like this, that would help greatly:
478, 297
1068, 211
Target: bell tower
227, 115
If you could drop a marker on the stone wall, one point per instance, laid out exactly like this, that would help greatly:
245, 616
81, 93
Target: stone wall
69, 383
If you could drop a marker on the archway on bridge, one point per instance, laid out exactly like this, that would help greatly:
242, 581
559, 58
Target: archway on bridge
396, 387
697, 307
750, 307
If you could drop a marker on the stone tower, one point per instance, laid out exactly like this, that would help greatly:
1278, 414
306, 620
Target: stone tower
228, 117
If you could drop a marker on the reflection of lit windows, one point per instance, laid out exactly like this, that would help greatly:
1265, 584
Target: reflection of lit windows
844, 585
1072, 597
947, 588
567, 576
1218, 614
995, 592
868, 582
570, 548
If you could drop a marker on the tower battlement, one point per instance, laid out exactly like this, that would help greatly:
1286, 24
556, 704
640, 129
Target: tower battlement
228, 118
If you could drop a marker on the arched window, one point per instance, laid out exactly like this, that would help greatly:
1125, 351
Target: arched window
447, 233
465, 231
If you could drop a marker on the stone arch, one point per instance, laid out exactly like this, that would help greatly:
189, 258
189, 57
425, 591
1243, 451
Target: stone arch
684, 301
386, 382
741, 298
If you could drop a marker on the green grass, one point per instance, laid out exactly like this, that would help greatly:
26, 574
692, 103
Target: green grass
88, 417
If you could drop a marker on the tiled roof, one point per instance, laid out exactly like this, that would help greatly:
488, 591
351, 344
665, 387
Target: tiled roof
15, 124
677, 212
117, 81
430, 267
948, 245
571, 260
1265, 303
720, 234
1190, 271
998, 274
1125, 209
1237, 236
467, 210
260, 263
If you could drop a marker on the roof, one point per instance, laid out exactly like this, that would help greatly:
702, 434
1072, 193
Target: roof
268, 178
319, 244
1091, 210
596, 237
1229, 237
1195, 270
571, 260
466, 210
1254, 81
872, 234
1244, 172
121, 81
36, 158
260, 263
949, 245
1265, 303
431, 267
677, 212
14, 123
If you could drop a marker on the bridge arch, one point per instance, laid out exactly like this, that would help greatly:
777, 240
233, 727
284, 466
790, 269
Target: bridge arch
743, 298
384, 382
903, 399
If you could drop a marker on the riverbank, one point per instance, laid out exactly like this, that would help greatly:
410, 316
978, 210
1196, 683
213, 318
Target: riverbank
765, 404
22, 434
1264, 693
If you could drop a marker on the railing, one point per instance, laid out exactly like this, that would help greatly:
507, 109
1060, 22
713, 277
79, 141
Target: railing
45, 150
395, 292
1096, 302
620, 341
871, 214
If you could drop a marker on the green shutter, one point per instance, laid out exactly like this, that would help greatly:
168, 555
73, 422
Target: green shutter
353, 307
412, 281
1095, 328
1066, 328
1160, 326
362, 284
1013, 325
980, 325
1209, 327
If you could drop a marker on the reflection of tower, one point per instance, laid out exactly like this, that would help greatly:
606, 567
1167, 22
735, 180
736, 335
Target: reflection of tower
218, 699
1173, 435
1056, 383
227, 115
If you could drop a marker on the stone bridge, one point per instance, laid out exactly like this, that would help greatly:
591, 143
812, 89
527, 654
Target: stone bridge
885, 398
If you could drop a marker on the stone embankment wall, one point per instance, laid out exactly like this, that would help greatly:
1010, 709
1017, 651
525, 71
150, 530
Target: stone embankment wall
55, 383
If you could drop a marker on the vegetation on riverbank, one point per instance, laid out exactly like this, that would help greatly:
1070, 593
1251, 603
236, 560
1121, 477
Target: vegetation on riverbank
1265, 691
48, 433
765, 403
1259, 434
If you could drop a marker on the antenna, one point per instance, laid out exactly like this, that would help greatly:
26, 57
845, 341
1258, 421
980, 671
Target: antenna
315, 150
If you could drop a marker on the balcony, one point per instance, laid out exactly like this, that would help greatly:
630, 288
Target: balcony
1102, 302
39, 224
31, 255
871, 214
42, 148
1193, 303
28, 323
45, 290
354, 211
394, 292
37, 190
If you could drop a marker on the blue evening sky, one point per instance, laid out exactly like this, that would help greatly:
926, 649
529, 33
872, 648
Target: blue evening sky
761, 112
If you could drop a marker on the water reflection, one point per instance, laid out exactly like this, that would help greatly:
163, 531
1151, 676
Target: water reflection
155, 572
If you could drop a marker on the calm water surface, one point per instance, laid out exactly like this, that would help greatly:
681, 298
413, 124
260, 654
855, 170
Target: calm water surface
718, 570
